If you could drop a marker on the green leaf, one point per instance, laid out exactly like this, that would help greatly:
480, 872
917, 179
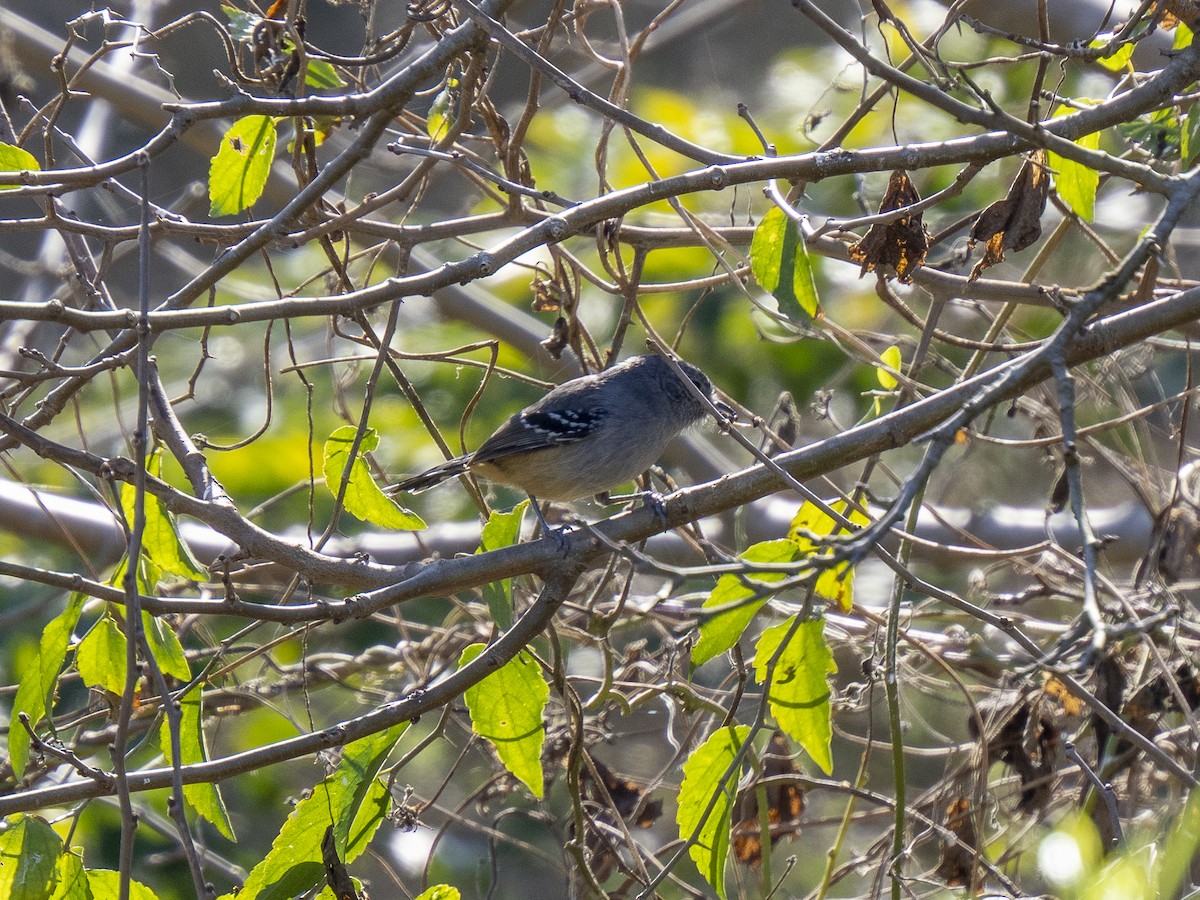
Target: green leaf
320, 127
780, 263
160, 637
437, 122
506, 709
1159, 133
720, 632
322, 75
106, 885
100, 656
327, 892
239, 171
29, 851
1178, 849
1118, 60
440, 892
702, 772
799, 689
891, 359
363, 498
241, 24
352, 799
353, 790
204, 797
1075, 182
72, 879
164, 644
160, 539
373, 808
1183, 37
502, 529
14, 159
1190, 135
35, 693
835, 584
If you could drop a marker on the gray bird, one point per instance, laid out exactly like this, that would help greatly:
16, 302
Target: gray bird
587, 435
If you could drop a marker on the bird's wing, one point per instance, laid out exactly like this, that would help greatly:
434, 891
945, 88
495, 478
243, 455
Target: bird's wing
536, 429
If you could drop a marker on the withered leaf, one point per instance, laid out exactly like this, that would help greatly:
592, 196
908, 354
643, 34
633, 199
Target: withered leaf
1111, 691
628, 799
559, 339
547, 294
1060, 494
626, 796
1154, 698
1176, 11
336, 876
1029, 744
956, 867
1071, 705
1016, 221
785, 805
901, 243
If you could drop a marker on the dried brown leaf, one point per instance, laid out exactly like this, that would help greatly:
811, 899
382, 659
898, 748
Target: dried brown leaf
785, 805
336, 876
957, 866
628, 799
1176, 11
1016, 221
1029, 744
901, 243
1071, 705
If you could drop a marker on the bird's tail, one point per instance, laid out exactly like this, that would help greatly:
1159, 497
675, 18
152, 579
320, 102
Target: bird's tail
431, 477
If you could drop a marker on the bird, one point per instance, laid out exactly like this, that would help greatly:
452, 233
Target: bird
586, 435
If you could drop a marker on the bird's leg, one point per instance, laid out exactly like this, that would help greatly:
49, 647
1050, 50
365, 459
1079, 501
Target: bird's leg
652, 499
558, 533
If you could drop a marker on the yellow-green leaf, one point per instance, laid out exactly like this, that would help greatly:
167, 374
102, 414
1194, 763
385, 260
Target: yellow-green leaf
506, 710
238, 173
72, 878
160, 538
164, 644
702, 772
1116, 61
105, 884
29, 851
440, 892
437, 122
100, 656
363, 498
721, 631
14, 159
1183, 37
1075, 182
1179, 848
502, 529
836, 583
322, 75
780, 263
1189, 137
799, 689
204, 797
35, 693
891, 359
241, 24
352, 799
160, 638
320, 127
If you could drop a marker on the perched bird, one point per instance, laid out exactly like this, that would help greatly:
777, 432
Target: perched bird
585, 436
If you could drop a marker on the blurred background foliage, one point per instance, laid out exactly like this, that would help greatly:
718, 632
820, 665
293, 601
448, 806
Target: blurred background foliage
798, 91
